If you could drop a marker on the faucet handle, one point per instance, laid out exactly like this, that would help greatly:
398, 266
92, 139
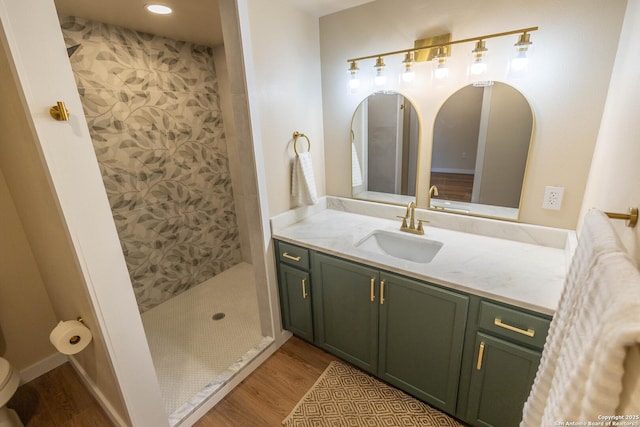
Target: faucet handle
420, 221
404, 221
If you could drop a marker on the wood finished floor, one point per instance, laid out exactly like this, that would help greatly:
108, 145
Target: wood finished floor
453, 186
265, 398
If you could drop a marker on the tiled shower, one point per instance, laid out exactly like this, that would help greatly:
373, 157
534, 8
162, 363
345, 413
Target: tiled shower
153, 109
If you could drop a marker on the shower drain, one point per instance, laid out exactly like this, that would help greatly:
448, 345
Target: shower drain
218, 316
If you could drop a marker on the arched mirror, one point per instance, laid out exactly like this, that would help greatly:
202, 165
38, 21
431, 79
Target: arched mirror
481, 143
385, 134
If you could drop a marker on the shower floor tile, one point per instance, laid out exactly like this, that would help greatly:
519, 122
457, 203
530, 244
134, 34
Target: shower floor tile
191, 350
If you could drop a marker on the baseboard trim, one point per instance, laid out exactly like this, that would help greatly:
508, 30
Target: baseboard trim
45, 365
113, 415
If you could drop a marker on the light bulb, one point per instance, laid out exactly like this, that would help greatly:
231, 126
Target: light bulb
380, 78
159, 9
521, 59
354, 81
478, 65
408, 75
440, 71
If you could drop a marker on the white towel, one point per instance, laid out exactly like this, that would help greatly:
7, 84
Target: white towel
356, 171
597, 323
303, 183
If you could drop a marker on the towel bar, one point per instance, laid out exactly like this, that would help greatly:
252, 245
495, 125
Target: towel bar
297, 135
631, 217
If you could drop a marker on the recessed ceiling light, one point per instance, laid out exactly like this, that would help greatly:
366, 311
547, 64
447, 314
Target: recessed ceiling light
160, 9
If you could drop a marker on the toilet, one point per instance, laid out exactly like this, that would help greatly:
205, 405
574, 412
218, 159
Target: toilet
9, 381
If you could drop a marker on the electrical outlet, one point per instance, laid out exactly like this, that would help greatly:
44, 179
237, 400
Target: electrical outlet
552, 197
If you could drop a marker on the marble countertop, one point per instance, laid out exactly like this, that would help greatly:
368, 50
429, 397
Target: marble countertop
526, 275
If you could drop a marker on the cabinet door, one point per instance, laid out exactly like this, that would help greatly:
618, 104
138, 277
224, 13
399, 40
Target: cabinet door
295, 298
421, 339
345, 298
501, 380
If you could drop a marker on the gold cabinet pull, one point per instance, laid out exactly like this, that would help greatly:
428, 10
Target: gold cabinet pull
304, 289
381, 292
373, 283
291, 257
59, 112
528, 332
480, 355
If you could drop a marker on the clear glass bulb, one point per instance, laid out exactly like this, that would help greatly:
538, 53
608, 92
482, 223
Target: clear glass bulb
441, 71
379, 78
354, 82
409, 75
520, 61
478, 67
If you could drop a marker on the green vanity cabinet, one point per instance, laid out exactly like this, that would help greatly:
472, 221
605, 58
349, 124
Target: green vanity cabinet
506, 353
346, 310
406, 332
295, 297
295, 290
501, 381
471, 357
421, 339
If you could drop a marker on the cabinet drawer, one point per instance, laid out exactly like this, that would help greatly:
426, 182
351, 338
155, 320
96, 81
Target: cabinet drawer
512, 324
293, 255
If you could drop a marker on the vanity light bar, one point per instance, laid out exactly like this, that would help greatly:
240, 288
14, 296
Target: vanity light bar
449, 43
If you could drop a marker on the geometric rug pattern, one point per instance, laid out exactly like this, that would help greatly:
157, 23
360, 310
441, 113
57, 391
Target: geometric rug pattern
344, 396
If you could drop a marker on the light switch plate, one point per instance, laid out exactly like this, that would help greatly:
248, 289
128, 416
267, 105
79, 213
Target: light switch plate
552, 198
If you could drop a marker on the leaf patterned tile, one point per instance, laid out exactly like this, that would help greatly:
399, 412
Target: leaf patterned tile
154, 115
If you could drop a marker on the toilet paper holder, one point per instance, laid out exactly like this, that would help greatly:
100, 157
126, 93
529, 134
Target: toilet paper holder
71, 337
76, 339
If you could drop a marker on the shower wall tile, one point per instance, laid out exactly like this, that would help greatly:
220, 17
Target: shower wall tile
154, 116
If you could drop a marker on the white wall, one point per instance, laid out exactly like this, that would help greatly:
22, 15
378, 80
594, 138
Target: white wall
614, 180
566, 86
26, 315
53, 176
286, 62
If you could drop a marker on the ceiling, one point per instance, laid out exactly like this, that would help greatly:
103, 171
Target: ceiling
196, 21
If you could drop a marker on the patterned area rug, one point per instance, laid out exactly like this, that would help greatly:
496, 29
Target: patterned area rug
345, 396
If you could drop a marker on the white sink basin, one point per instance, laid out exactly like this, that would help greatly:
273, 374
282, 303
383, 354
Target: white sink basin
400, 245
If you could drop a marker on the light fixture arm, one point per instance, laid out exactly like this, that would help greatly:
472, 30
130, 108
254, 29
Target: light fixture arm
449, 43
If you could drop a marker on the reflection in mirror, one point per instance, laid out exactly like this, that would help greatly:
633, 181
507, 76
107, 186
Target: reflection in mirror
480, 146
384, 149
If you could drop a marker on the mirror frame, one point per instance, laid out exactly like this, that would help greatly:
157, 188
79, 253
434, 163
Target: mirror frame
526, 167
418, 149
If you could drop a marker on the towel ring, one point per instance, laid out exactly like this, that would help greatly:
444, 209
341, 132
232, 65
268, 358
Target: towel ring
297, 135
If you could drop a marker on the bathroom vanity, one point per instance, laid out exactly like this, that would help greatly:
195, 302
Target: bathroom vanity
463, 331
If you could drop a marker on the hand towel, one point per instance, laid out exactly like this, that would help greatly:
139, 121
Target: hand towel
581, 373
303, 184
356, 171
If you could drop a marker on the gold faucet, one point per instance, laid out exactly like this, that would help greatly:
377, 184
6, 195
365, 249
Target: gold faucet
433, 191
410, 216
